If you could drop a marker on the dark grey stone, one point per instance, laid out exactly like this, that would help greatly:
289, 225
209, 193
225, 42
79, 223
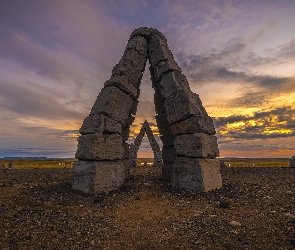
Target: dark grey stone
196, 145
99, 123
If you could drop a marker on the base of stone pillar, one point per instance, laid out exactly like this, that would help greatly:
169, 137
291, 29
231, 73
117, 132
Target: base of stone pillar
167, 170
196, 174
99, 176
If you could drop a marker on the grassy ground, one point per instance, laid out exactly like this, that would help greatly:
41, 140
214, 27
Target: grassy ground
256, 162
68, 163
38, 163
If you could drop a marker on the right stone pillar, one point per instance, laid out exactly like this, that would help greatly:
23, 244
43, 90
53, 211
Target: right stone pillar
187, 132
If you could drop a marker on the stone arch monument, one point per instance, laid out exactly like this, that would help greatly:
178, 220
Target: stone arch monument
187, 132
134, 147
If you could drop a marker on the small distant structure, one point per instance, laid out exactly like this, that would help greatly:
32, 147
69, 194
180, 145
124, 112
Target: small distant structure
134, 147
11, 165
2, 166
292, 162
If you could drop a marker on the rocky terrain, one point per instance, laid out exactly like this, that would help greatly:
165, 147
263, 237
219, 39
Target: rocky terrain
255, 209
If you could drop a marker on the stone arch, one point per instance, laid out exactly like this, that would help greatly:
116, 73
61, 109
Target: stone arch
187, 132
134, 147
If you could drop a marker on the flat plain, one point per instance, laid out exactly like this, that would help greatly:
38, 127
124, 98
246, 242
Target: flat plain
255, 209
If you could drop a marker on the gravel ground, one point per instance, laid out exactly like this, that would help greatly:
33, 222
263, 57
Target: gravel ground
255, 209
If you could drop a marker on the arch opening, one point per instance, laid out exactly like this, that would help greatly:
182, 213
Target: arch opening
134, 147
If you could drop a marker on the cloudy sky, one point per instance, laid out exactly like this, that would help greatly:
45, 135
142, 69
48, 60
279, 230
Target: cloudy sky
238, 55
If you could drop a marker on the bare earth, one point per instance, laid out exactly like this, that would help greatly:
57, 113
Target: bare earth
255, 209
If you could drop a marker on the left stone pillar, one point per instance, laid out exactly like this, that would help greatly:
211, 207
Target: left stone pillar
102, 152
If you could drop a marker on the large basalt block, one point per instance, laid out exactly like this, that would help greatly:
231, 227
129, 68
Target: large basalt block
167, 171
193, 174
168, 140
124, 84
163, 124
196, 145
194, 124
134, 107
128, 69
138, 43
159, 102
137, 59
173, 82
99, 176
99, 123
100, 147
165, 67
112, 102
161, 53
168, 155
182, 105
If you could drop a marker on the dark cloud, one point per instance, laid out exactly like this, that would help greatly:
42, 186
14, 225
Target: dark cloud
34, 102
232, 65
276, 123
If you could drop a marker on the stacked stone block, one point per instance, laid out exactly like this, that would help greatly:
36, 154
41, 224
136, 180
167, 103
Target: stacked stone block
134, 147
102, 151
187, 132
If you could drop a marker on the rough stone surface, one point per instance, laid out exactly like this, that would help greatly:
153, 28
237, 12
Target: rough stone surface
125, 134
173, 82
182, 105
2, 166
292, 162
129, 120
128, 69
192, 174
112, 102
168, 140
158, 50
165, 67
99, 123
167, 171
159, 55
196, 145
168, 155
156, 42
99, 176
159, 102
194, 124
163, 124
134, 107
100, 147
138, 43
137, 59
124, 84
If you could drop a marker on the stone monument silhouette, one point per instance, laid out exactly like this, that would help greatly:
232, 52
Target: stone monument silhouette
187, 132
134, 147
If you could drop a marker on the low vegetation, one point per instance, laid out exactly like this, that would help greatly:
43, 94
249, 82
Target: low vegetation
35, 163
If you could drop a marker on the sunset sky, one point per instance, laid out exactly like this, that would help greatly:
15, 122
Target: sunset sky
238, 55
